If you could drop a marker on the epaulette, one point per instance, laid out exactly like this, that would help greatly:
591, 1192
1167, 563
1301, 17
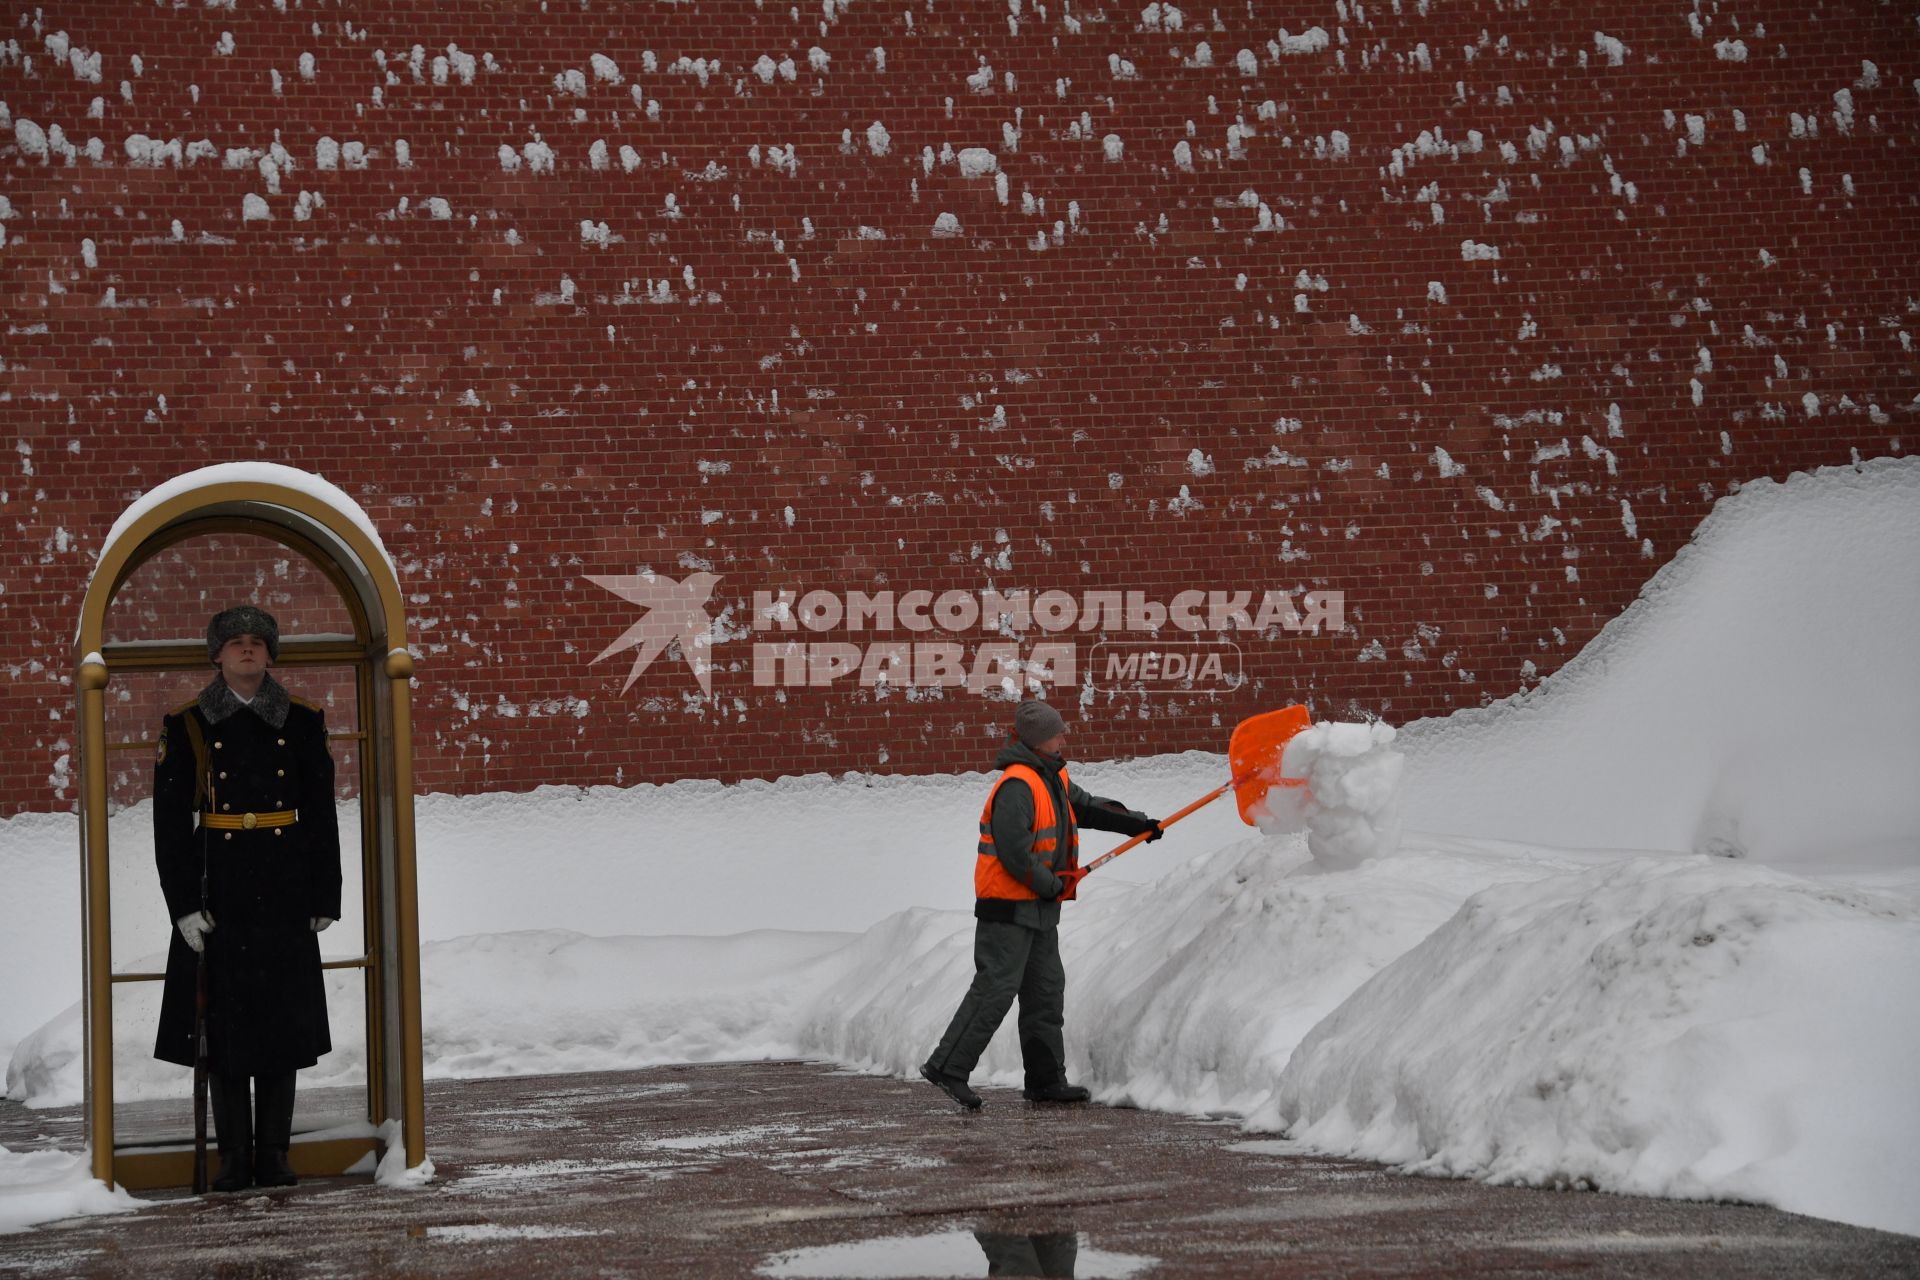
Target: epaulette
186, 706
298, 701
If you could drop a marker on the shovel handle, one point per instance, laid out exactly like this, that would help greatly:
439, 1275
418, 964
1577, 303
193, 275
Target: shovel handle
1172, 818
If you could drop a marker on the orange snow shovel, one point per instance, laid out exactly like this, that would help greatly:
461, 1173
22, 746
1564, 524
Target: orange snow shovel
1253, 753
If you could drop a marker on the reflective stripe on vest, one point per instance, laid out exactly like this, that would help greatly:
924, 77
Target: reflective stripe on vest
990, 877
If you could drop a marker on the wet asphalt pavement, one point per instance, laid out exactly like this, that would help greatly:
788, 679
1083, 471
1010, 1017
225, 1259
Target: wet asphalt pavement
791, 1169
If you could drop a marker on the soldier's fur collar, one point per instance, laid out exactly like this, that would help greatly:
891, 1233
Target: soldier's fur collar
217, 701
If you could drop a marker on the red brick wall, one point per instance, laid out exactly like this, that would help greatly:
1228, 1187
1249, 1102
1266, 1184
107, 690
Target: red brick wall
509, 441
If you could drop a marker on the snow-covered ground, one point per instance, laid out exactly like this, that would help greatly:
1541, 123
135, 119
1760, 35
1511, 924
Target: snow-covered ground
1654, 927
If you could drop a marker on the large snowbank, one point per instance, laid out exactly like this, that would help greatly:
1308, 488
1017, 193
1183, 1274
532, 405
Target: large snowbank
1185, 995
1759, 698
1681, 1027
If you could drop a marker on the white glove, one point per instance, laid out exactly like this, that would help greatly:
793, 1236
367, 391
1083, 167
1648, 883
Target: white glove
321, 923
195, 927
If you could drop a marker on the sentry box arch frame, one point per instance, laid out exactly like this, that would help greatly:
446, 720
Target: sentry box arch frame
320, 523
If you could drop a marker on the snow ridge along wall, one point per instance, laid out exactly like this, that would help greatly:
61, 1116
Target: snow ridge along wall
1758, 699
1469, 311
1679, 1027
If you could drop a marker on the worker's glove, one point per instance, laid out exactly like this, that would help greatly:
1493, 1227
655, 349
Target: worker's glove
321, 923
1128, 822
194, 927
1070, 878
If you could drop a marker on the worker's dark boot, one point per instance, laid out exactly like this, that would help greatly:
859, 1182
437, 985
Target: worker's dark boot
1058, 1091
233, 1129
273, 1131
954, 1087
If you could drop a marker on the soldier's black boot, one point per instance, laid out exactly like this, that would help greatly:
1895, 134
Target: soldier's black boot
233, 1128
273, 1131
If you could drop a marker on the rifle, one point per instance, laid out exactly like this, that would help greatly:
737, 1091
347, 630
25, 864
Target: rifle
200, 1022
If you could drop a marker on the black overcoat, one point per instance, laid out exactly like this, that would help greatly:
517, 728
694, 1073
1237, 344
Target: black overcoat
267, 1008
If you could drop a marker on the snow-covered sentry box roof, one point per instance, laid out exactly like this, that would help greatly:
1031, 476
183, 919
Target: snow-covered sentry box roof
250, 472
314, 519
210, 486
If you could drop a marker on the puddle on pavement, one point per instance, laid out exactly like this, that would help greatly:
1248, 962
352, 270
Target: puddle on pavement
959, 1253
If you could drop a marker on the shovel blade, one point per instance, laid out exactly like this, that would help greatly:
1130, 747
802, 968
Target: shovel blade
1254, 753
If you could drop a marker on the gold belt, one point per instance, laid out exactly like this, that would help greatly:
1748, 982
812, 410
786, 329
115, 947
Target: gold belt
250, 821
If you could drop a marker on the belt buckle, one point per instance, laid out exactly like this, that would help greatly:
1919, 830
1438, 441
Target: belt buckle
250, 821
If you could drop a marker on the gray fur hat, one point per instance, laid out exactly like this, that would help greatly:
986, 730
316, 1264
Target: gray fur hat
1036, 722
242, 620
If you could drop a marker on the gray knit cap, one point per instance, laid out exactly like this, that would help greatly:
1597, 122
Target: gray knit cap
1036, 722
242, 620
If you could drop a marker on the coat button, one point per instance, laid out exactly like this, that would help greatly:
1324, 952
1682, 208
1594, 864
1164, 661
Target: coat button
218, 745
223, 775
279, 773
229, 835
227, 806
276, 831
283, 742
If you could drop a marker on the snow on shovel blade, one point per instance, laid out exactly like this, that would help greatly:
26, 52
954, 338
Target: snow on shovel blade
1254, 753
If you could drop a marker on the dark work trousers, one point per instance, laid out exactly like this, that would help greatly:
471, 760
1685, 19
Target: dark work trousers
1009, 961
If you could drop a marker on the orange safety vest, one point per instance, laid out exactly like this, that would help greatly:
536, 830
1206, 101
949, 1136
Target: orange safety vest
990, 878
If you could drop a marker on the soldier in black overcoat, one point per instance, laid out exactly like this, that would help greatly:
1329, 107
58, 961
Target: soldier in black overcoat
248, 848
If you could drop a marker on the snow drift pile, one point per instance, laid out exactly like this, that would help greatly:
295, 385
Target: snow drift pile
1351, 803
1759, 699
41, 1186
1679, 1026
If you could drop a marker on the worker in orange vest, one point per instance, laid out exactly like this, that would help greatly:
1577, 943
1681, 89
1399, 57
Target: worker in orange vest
1027, 864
